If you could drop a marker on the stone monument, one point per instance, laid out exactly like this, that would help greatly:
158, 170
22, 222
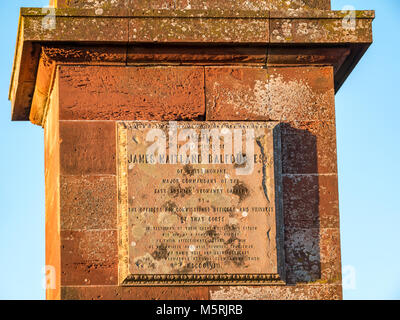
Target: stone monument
190, 145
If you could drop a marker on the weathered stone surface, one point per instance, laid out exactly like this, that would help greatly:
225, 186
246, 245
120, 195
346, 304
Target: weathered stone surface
133, 293
309, 147
298, 30
312, 254
307, 56
88, 202
131, 93
195, 4
321, 14
331, 267
98, 7
87, 4
87, 147
302, 5
311, 201
255, 5
76, 28
89, 257
52, 132
43, 83
302, 253
198, 26
152, 54
199, 30
270, 94
86, 54
302, 93
23, 78
299, 292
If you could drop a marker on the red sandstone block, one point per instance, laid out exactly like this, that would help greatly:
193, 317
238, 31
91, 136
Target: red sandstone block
331, 268
311, 201
307, 56
52, 134
197, 4
305, 4
282, 94
255, 5
312, 254
83, 54
79, 28
329, 201
319, 291
302, 255
238, 93
104, 4
311, 30
216, 30
131, 93
196, 55
302, 93
309, 147
134, 293
151, 4
89, 257
52, 238
88, 202
87, 147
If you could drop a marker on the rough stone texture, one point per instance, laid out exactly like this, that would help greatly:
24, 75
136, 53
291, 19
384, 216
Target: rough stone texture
89, 257
77, 29
45, 73
299, 4
318, 30
23, 79
195, 4
133, 293
152, 54
299, 292
309, 147
303, 259
311, 201
281, 94
223, 5
87, 4
156, 93
307, 56
84, 54
195, 30
312, 254
198, 26
88, 202
87, 147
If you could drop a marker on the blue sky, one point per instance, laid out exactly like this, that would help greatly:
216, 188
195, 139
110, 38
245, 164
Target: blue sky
367, 113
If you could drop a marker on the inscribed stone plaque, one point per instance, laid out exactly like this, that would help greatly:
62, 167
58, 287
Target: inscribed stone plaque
199, 203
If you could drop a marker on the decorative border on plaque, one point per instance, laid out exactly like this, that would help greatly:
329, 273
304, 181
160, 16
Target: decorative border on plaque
204, 279
125, 278
122, 180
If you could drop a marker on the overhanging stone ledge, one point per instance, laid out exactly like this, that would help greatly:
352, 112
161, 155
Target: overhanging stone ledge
323, 40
